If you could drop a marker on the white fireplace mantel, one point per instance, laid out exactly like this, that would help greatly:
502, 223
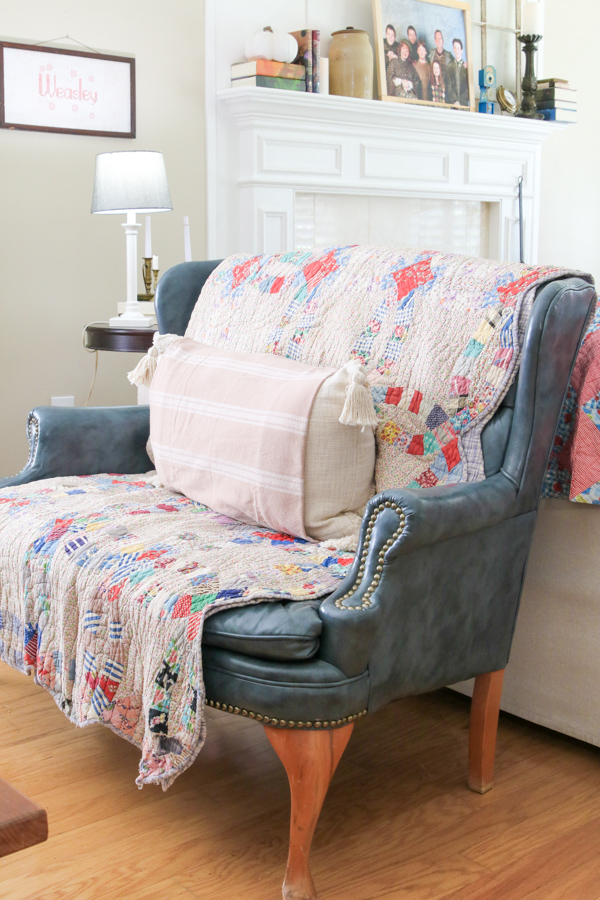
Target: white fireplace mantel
266, 145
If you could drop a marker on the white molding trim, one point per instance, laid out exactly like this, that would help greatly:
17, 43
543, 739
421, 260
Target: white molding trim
269, 144
210, 125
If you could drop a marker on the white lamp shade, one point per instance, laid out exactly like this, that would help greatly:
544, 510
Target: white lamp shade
131, 180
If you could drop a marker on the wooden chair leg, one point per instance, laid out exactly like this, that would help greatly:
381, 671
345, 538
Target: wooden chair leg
485, 709
310, 759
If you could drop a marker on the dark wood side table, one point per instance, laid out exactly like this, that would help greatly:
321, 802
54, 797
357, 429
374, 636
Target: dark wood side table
22, 822
100, 336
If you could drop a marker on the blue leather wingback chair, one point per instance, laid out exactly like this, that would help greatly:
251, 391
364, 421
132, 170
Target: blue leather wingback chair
431, 598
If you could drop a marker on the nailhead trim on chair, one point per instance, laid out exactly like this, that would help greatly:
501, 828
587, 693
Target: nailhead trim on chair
366, 603
283, 723
33, 433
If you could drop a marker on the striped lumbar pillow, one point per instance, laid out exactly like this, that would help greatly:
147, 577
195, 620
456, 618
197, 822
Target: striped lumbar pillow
258, 437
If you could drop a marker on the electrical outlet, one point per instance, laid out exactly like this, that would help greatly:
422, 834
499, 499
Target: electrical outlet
62, 401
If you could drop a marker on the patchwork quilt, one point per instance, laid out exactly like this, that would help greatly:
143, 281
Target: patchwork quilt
574, 466
440, 336
105, 581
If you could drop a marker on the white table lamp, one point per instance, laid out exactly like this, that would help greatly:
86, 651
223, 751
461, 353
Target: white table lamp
125, 183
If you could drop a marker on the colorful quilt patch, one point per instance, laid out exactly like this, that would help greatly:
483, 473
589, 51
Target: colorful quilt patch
115, 635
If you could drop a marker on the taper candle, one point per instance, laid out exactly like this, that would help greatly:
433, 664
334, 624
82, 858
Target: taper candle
155, 262
187, 247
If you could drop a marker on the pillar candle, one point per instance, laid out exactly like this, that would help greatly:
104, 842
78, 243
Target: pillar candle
187, 247
531, 18
324, 76
148, 241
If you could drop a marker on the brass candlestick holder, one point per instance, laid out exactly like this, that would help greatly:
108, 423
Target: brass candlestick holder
147, 276
155, 274
528, 108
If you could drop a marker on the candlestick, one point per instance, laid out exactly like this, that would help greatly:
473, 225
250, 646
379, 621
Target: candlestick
155, 273
147, 276
187, 247
528, 108
148, 239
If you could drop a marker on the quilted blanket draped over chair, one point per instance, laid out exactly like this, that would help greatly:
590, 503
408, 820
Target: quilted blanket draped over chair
105, 581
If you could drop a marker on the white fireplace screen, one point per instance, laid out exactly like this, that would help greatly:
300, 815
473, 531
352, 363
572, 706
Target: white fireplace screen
452, 226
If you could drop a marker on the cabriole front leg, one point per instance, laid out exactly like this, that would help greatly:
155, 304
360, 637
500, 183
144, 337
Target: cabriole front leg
310, 758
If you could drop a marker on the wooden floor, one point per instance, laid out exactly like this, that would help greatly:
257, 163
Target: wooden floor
398, 822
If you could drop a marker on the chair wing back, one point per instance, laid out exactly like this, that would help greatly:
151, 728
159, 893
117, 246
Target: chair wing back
177, 293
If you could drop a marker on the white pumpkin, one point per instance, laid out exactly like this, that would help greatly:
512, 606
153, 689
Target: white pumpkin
268, 44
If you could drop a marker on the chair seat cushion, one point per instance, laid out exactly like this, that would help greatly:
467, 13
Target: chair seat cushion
278, 631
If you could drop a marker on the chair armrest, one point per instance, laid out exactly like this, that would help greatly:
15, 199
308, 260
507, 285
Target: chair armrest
81, 441
397, 522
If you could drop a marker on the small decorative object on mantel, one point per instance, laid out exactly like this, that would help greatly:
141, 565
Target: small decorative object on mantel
324, 75
351, 64
487, 81
316, 54
556, 101
273, 45
304, 39
424, 52
507, 101
530, 36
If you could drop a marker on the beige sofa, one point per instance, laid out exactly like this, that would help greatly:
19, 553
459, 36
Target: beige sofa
553, 676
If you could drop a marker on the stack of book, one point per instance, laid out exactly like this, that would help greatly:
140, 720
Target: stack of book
268, 73
555, 99
301, 75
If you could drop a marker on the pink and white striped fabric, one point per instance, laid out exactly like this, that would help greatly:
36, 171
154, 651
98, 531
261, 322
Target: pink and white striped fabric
229, 429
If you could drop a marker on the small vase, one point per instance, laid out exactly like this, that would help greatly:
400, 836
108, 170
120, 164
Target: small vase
351, 64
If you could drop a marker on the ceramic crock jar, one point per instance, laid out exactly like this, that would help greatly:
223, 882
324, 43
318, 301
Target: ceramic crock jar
351, 64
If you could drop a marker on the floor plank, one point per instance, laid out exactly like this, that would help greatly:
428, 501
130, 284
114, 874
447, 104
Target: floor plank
398, 824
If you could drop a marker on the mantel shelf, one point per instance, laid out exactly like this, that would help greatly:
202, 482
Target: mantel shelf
247, 104
273, 145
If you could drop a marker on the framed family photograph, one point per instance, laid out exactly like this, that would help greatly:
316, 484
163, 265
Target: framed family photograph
424, 52
67, 91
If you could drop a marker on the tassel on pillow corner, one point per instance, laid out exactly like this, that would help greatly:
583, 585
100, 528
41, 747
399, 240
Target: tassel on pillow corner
358, 408
143, 373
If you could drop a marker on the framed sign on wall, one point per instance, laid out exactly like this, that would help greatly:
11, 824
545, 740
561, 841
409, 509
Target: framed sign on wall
66, 91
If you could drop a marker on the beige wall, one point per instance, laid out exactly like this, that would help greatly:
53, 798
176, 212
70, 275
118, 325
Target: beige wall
570, 224
570, 236
61, 267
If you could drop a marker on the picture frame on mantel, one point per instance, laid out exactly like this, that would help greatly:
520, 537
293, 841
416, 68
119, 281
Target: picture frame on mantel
66, 91
424, 52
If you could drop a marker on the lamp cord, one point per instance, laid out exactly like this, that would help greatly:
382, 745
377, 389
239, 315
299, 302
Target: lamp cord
88, 350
